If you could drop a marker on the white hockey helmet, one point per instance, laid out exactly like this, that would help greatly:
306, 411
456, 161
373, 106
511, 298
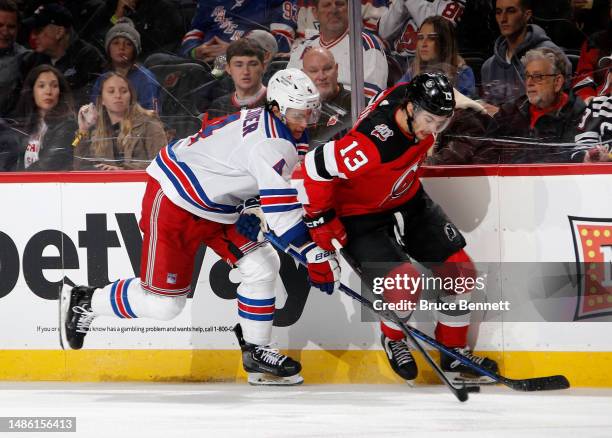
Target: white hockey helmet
291, 88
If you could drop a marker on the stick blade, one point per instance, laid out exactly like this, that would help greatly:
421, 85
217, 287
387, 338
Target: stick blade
548, 383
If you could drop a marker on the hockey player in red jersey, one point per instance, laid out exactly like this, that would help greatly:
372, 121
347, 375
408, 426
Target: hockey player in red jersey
364, 191
193, 196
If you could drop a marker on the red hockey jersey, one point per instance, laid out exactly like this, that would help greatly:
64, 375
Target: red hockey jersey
375, 167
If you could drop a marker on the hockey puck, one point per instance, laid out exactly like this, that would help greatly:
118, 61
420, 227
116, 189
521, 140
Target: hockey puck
472, 388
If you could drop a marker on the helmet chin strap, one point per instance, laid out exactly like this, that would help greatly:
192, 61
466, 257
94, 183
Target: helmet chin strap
409, 120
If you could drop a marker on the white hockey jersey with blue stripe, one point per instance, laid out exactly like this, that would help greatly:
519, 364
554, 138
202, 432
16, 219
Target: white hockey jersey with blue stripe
234, 158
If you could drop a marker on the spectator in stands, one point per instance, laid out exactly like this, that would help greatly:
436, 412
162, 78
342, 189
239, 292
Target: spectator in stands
546, 114
225, 84
89, 19
57, 44
333, 28
245, 65
437, 51
268, 44
158, 22
122, 45
11, 55
592, 77
308, 25
117, 133
594, 137
218, 23
321, 67
46, 119
503, 75
401, 22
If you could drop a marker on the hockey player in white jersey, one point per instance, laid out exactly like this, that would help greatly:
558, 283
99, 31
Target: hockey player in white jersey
195, 189
400, 24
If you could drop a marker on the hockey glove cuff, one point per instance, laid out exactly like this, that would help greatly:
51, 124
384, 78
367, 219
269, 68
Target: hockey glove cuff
251, 222
324, 228
323, 268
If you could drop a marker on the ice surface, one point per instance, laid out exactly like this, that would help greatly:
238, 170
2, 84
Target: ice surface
237, 410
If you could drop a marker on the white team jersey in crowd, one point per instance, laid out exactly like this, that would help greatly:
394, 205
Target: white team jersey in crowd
400, 24
234, 158
308, 25
375, 69
595, 128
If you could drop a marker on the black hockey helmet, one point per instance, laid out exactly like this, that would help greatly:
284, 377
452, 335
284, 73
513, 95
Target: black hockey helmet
433, 93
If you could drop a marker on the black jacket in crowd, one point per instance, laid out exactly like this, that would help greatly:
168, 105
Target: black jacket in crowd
9, 147
522, 144
57, 151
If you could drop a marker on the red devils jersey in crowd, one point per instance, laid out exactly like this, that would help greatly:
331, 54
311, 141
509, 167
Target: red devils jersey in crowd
373, 168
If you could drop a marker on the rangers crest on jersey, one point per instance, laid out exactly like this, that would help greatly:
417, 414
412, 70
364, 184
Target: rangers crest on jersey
278, 167
382, 132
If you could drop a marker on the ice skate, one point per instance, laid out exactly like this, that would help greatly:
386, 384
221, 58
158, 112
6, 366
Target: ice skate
75, 315
266, 366
400, 358
459, 373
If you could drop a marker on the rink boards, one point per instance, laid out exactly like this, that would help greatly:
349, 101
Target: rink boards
83, 226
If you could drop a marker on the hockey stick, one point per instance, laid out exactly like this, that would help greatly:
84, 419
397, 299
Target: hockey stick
530, 384
460, 392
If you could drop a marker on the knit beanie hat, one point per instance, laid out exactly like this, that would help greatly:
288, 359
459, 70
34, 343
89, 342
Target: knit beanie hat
123, 28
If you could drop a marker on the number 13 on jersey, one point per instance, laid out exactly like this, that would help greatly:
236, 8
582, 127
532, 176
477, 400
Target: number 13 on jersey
353, 158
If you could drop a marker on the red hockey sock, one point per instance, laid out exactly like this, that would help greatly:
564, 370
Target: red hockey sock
452, 336
390, 331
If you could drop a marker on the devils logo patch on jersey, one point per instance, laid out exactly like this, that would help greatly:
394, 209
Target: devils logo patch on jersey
382, 132
404, 182
332, 120
451, 232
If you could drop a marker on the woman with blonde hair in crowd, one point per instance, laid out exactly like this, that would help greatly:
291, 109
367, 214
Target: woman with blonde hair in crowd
437, 51
117, 133
45, 118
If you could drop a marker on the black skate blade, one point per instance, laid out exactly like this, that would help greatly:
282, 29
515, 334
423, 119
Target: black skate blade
264, 379
548, 383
